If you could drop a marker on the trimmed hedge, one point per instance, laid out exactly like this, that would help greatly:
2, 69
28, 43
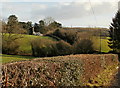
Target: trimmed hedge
71, 70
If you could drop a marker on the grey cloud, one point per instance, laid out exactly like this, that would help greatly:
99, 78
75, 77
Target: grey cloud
63, 12
67, 13
74, 10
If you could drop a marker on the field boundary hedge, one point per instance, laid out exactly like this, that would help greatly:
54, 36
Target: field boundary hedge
70, 70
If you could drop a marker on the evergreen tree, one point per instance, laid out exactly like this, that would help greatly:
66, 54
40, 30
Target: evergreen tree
36, 27
12, 24
42, 27
114, 41
26, 26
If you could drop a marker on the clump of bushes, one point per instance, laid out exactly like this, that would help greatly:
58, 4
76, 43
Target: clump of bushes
80, 41
9, 46
83, 46
71, 36
68, 43
64, 48
46, 47
66, 35
42, 47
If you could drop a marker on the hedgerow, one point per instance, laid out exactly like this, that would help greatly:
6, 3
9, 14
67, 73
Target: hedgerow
46, 47
72, 70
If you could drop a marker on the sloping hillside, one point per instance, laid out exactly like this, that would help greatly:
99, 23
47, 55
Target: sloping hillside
25, 43
96, 31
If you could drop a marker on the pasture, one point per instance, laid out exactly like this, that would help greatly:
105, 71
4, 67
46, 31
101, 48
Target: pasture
25, 43
13, 58
25, 47
104, 44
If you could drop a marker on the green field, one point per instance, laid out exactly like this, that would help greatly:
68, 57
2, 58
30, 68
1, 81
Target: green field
12, 58
25, 47
104, 44
25, 43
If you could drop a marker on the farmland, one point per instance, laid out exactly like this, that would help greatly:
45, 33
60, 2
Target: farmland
25, 47
56, 66
104, 44
25, 43
13, 58
61, 70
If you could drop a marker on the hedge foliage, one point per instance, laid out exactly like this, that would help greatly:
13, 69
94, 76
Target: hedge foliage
83, 46
46, 47
73, 70
10, 45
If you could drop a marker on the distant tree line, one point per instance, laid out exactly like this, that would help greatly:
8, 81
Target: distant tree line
44, 26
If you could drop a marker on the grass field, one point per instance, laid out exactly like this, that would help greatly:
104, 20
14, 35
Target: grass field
25, 43
25, 47
12, 58
104, 44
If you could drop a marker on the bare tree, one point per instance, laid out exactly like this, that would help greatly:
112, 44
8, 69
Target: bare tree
48, 21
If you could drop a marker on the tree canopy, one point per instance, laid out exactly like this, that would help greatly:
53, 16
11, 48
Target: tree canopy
114, 41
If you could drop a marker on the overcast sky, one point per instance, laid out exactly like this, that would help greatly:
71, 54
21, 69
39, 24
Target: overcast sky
87, 13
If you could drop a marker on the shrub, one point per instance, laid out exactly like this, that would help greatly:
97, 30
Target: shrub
10, 43
71, 36
43, 47
46, 47
67, 35
63, 48
83, 46
10, 47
